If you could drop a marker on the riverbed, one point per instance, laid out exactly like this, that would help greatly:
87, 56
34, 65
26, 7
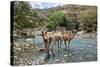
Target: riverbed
81, 49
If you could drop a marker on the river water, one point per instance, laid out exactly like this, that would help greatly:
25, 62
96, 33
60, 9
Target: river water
81, 49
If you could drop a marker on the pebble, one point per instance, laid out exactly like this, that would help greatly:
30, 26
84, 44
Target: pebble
18, 48
65, 55
70, 54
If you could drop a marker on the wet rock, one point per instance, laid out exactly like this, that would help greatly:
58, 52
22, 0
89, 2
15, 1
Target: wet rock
65, 55
70, 54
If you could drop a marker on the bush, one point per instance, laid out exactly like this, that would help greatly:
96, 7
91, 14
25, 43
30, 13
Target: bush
56, 19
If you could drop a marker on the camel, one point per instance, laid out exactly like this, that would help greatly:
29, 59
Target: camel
58, 38
67, 37
47, 41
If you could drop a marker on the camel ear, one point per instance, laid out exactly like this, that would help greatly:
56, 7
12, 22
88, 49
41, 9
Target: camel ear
72, 31
45, 32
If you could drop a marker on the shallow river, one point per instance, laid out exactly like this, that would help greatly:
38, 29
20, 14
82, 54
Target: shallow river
82, 49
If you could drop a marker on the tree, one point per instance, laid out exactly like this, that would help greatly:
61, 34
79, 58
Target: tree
23, 15
56, 19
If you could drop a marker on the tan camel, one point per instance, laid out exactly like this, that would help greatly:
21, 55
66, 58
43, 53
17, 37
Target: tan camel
47, 41
58, 38
67, 37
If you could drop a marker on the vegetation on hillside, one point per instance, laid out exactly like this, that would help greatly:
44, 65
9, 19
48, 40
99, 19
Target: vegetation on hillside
88, 19
70, 16
57, 19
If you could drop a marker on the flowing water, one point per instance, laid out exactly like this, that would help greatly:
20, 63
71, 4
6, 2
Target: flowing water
82, 49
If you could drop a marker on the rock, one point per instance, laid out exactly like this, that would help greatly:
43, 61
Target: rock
29, 40
80, 32
65, 55
70, 54
18, 49
23, 52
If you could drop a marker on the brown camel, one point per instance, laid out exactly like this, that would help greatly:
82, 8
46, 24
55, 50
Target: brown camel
67, 37
58, 38
47, 41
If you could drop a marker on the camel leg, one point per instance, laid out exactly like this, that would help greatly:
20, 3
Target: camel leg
65, 44
68, 45
45, 45
58, 46
47, 53
52, 52
52, 49
48, 48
